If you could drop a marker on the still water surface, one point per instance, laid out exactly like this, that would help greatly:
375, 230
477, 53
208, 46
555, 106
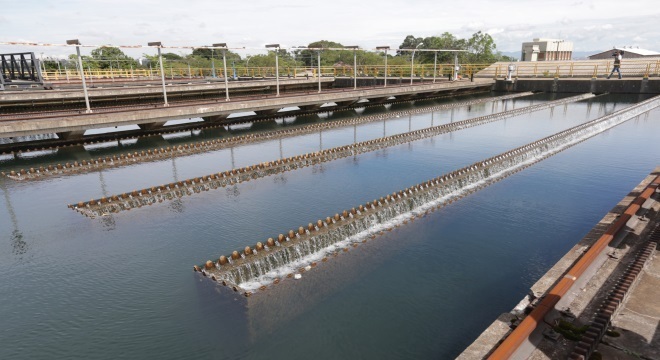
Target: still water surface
122, 286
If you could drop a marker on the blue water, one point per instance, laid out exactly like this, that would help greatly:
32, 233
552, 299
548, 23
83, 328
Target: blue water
123, 286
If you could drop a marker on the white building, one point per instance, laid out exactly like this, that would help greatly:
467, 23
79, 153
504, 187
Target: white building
629, 52
546, 50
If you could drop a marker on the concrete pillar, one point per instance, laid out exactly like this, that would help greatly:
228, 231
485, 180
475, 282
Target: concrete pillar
152, 126
215, 118
70, 135
378, 100
345, 103
267, 112
310, 107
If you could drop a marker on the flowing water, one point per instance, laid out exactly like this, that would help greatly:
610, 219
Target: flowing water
122, 287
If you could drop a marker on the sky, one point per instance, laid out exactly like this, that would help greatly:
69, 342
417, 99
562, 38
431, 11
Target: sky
591, 25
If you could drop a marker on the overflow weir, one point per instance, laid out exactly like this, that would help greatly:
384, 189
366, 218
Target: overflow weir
156, 154
156, 194
255, 268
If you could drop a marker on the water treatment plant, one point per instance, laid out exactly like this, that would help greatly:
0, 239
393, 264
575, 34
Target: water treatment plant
476, 213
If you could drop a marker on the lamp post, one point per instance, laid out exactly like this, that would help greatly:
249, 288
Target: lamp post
247, 64
59, 69
355, 48
318, 66
43, 66
435, 65
212, 64
159, 45
82, 74
277, 69
412, 63
223, 47
384, 48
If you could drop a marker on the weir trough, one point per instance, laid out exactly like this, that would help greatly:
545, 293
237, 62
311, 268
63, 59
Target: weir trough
156, 154
248, 270
156, 194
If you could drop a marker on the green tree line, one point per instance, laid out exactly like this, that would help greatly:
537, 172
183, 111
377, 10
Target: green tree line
480, 49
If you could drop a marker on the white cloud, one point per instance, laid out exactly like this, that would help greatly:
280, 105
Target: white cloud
590, 25
494, 31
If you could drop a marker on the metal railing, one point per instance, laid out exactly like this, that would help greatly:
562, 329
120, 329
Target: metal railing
395, 71
643, 67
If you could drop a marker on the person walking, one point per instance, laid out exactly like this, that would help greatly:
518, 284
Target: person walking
618, 55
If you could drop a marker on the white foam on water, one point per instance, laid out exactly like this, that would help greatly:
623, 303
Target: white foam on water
293, 267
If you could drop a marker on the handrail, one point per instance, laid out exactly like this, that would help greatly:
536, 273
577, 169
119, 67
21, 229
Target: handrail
640, 67
182, 72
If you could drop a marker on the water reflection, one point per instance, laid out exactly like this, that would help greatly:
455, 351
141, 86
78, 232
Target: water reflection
176, 205
108, 222
233, 192
18, 245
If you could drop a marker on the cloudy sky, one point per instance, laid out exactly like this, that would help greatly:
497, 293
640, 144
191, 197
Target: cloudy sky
591, 25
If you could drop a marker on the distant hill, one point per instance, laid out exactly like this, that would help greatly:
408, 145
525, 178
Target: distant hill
577, 55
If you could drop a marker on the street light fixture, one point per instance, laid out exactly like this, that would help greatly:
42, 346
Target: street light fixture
223, 47
412, 63
318, 66
384, 48
277, 69
435, 65
355, 48
318, 63
162, 72
82, 74
213, 63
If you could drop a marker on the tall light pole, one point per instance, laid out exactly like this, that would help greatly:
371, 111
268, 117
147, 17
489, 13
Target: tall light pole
43, 66
247, 64
412, 63
223, 47
435, 65
384, 48
162, 72
355, 48
82, 74
212, 64
277, 68
318, 66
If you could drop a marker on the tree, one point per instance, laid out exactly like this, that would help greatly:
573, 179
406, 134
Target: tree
202, 53
309, 57
106, 57
410, 42
482, 48
172, 56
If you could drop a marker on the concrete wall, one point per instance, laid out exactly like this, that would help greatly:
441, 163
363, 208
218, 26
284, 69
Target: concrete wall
615, 86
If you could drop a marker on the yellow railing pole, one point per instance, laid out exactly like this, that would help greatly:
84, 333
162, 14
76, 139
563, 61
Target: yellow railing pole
571, 70
595, 75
